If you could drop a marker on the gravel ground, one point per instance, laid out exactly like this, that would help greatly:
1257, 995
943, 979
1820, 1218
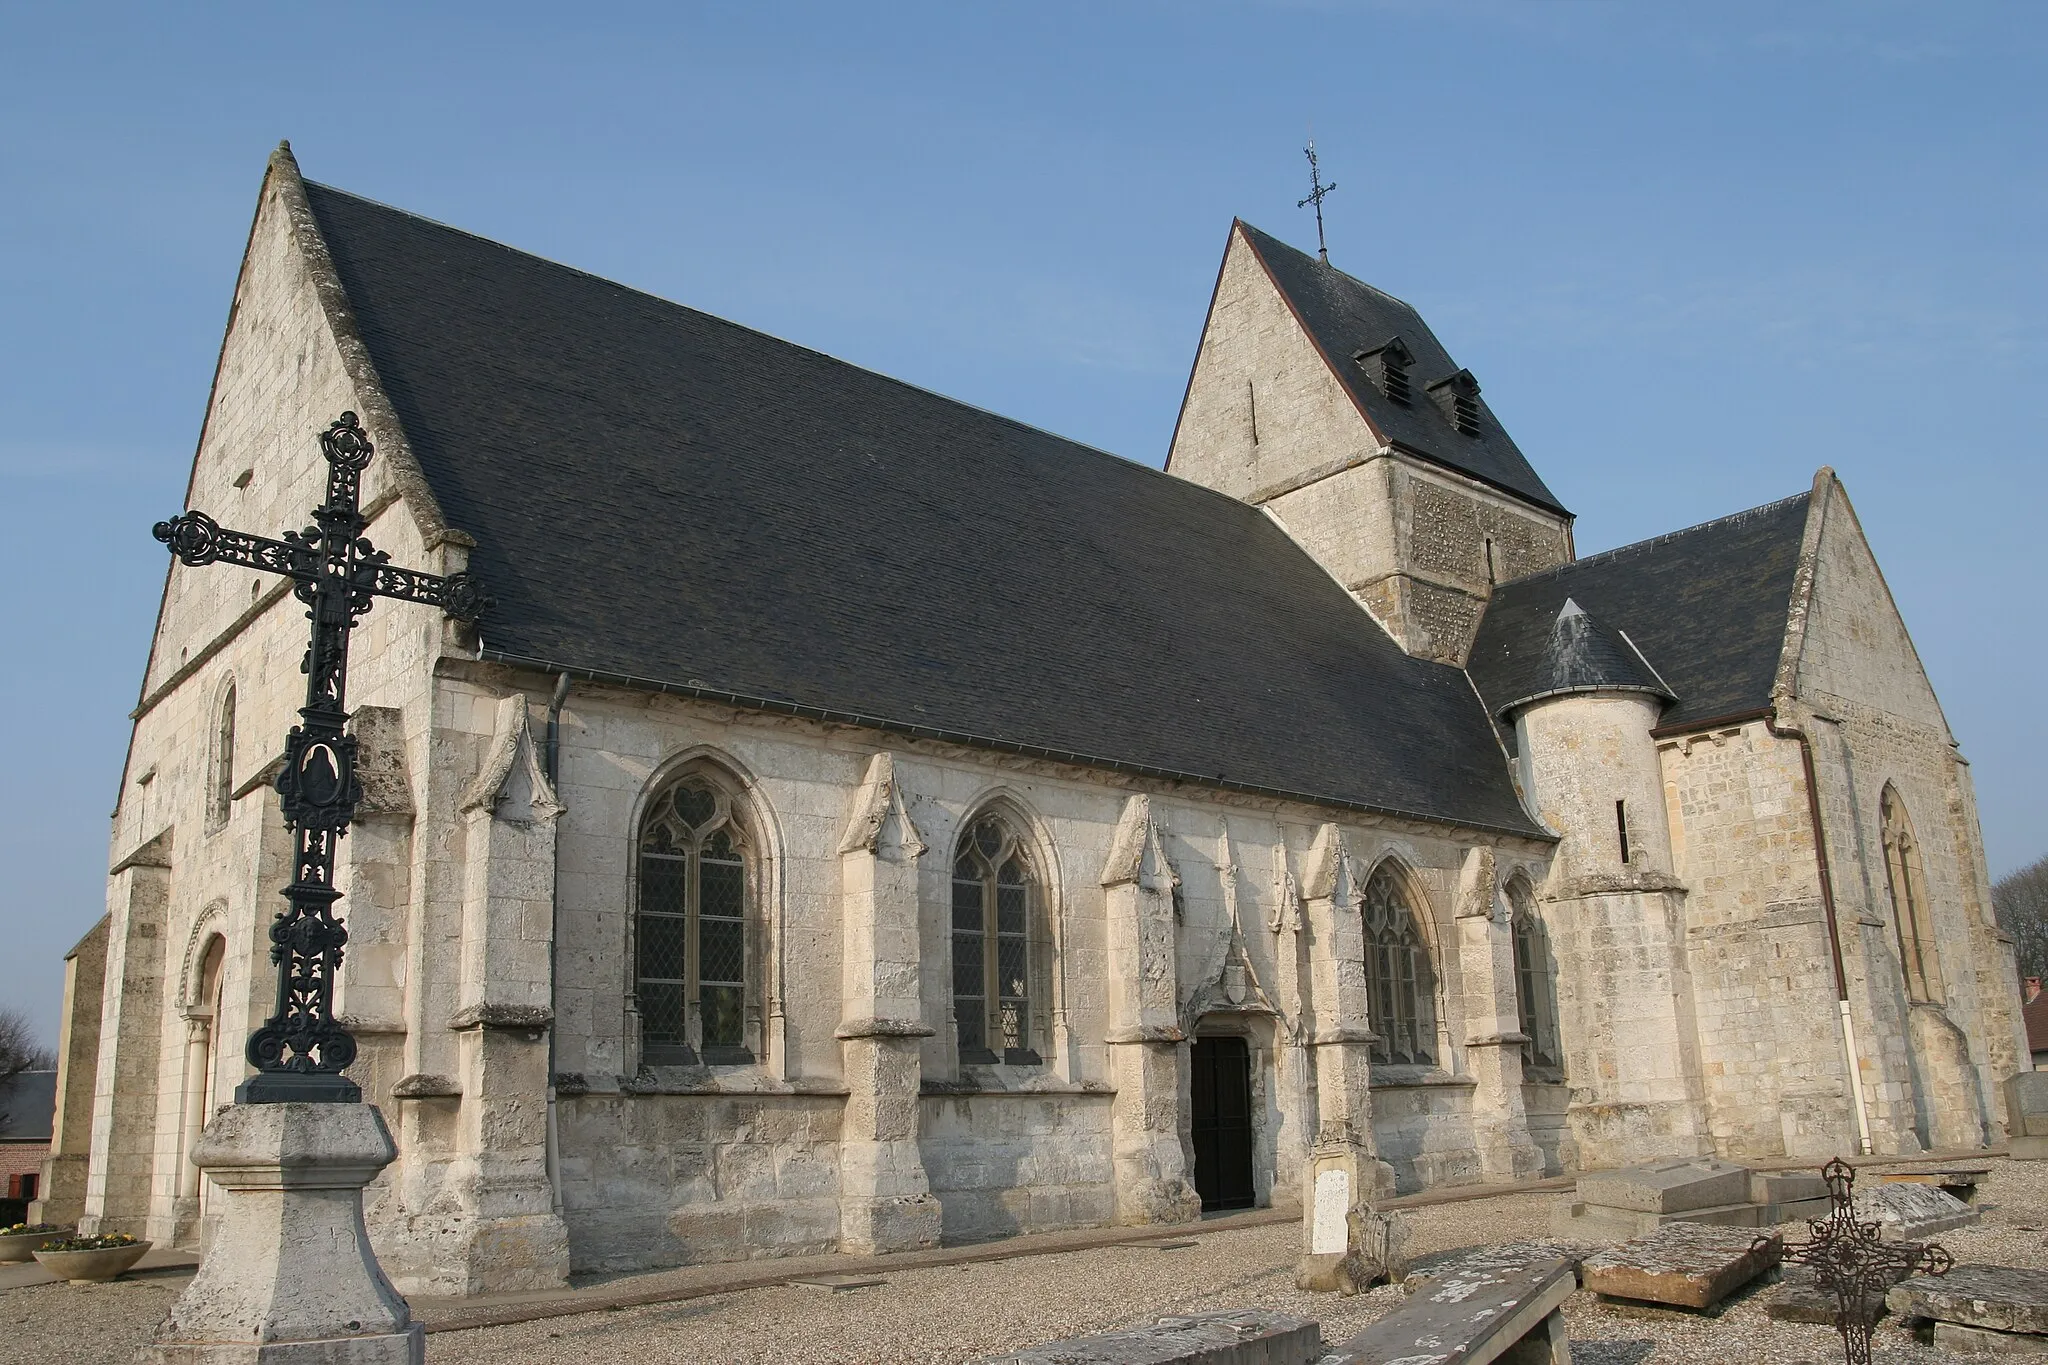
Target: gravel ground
969, 1312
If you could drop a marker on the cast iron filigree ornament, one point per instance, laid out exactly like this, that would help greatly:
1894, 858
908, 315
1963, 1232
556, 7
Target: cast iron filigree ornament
1852, 1263
301, 1050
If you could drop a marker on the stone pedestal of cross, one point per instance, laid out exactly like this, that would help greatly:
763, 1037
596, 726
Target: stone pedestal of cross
288, 1274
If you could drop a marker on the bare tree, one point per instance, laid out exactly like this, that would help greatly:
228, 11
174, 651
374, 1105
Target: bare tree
20, 1049
2020, 900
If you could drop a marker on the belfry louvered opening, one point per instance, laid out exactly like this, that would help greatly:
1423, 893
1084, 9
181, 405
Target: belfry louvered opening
1458, 396
1387, 366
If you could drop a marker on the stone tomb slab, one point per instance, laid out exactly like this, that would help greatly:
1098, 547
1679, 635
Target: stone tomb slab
1960, 1183
1236, 1337
1800, 1299
1995, 1298
1472, 1317
1911, 1213
1467, 1262
1684, 1265
837, 1284
1667, 1186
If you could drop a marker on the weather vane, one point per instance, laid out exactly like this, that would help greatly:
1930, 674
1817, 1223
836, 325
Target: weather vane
1316, 190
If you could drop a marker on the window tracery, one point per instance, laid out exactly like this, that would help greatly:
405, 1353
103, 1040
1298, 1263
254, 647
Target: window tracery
691, 950
992, 952
1912, 916
220, 787
1400, 980
1535, 982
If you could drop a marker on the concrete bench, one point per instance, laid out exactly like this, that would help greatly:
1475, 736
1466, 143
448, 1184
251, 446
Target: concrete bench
1471, 1316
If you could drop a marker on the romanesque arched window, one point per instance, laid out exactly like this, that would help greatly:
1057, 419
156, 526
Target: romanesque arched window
1535, 981
691, 927
1912, 916
992, 948
1400, 983
220, 776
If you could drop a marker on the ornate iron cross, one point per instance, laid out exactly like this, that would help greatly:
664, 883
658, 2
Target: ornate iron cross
301, 1050
1316, 190
1851, 1262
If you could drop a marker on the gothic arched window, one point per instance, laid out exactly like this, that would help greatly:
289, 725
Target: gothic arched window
992, 967
1535, 981
1400, 984
1912, 916
692, 927
220, 786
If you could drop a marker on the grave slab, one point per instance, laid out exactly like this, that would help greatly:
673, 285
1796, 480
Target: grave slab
1237, 1337
1999, 1298
1785, 1187
2026, 1116
1473, 1318
1500, 1258
1959, 1340
1667, 1186
1799, 1299
1960, 1183
1913, 1212
1582, 1222
1686, 1265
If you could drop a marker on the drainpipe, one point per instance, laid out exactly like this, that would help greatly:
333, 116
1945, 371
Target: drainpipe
1827, 900
554, 770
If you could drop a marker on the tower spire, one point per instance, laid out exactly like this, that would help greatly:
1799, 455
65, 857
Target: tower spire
1316, 190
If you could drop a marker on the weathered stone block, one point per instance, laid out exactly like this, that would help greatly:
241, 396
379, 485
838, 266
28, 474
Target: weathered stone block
1999, 1298
1667, 1186
1910, 1212
2026, 1106
1689, 1265
1957, 1339
1238, 1337
1785, 1187
1579, 1222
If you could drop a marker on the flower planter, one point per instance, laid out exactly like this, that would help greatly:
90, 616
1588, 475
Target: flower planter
21, 1246
91, 1267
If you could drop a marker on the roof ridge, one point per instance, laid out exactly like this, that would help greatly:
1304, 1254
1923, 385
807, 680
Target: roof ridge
1363, 284
1663, 539
962, 403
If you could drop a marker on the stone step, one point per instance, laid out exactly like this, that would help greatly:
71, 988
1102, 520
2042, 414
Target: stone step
1683, 1264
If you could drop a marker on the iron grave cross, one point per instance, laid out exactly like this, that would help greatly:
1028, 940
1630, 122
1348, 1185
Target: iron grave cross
1316, 190
301, 1050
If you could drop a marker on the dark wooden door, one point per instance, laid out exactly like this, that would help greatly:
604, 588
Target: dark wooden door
1221, 1095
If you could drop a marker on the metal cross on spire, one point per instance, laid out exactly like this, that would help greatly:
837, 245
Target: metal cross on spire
301, 1050
1316, 190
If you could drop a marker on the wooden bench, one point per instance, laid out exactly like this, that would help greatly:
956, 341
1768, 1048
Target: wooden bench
1474, 1315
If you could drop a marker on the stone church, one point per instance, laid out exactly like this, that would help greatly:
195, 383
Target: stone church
865, 821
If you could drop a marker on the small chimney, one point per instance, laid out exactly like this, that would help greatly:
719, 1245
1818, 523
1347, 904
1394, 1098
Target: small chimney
2031, 988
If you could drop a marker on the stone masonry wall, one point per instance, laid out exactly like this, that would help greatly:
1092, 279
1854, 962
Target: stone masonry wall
1875, 722
1771, 1054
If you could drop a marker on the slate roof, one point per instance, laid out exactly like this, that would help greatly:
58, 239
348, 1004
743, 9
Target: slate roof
1707, 607
28, 1106
1578, 655
1345, 316
662, 495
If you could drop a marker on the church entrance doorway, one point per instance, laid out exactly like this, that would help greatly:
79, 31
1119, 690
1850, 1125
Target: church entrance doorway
1221, 1101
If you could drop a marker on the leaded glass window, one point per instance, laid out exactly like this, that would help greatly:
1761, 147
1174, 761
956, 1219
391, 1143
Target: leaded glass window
1400, 985
1535, 982
992, 946
692, 941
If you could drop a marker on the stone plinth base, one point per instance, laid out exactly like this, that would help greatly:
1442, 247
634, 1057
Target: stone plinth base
288, 1276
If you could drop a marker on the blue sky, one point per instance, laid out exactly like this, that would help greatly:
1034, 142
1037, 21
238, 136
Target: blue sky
1693, 252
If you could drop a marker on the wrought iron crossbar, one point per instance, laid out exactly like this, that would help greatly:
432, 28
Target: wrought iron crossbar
1854, 1265
302, 1049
